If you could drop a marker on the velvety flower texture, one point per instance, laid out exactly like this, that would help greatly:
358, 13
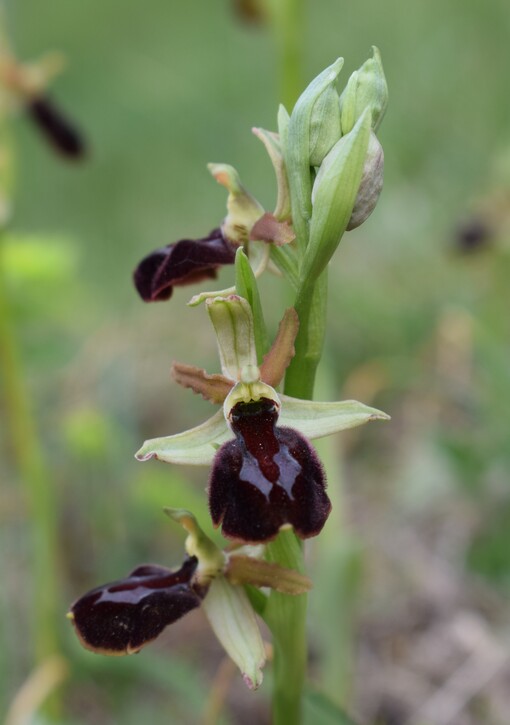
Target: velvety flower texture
121, 617
266, 477
181, 263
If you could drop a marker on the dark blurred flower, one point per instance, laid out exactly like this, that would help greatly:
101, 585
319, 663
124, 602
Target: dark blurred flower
61, 134
181, 263
123, 616
267, 477
473, 235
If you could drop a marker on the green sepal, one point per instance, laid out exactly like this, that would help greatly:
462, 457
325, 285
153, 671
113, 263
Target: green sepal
315, 419
194, 447
234, 623
297, 151
334, 194
273, 145
246, 286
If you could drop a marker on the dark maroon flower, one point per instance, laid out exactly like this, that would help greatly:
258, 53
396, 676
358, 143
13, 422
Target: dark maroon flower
265, 478
181, 263
56, 128
121, 617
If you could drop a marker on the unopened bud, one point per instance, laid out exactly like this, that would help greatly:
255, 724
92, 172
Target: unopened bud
366, 88
371, 184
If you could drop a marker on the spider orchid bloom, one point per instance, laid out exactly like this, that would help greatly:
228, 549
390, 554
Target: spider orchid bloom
121, 617
193, 260
265, 474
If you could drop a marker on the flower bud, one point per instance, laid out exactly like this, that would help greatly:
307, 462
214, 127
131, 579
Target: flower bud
324, 125
371, 184
366, 88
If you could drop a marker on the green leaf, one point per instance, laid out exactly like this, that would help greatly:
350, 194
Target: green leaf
194, 447
315, 419
246, 286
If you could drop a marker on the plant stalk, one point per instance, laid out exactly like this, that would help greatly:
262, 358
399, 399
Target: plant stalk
286, 615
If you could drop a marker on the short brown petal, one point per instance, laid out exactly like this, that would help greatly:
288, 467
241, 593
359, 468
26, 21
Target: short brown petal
214, 388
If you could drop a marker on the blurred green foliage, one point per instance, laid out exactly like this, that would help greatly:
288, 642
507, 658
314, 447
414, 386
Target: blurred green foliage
417, 328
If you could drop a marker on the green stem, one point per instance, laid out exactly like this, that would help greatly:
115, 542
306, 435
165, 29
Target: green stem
286, 615
288, 20
310, 306
36, 481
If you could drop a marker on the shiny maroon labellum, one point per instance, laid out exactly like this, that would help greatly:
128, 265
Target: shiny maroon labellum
184, 262
265, 478
121, 617
56, 128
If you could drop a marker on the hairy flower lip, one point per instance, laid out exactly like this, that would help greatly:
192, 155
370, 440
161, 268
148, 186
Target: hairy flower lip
123, 616
268, 477
181, 263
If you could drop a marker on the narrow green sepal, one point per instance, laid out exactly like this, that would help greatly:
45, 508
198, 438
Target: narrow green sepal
234, 623
334, 194
315, 419
194, 447
246, 286
366, 88
273, 145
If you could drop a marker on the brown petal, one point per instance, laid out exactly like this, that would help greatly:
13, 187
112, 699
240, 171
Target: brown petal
282, 350
269, 229
211, 387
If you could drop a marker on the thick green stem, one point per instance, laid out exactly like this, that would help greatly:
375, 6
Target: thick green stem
36, 482
286, 615
311, 309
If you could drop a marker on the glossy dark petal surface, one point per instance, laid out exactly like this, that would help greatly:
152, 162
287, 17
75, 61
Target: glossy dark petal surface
123, 616
56, 128
268, 476
181, 263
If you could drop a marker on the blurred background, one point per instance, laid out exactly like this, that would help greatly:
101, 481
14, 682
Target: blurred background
409, 615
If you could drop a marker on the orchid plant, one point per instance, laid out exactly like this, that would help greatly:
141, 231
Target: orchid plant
266, 485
